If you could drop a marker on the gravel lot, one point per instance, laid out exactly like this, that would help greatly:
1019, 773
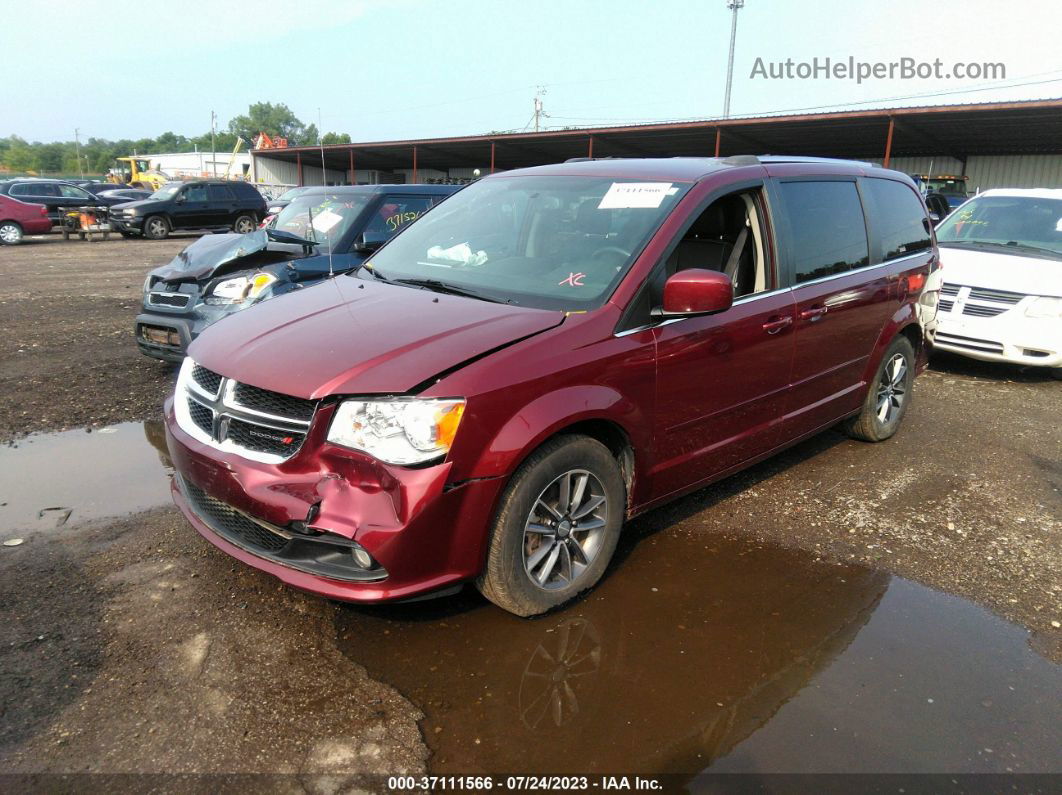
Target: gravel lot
139, 611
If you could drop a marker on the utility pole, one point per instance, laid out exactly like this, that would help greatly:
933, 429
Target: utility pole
213, 146
734, 6
77, 150
538, 105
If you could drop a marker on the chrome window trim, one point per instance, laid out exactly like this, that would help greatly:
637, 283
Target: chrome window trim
864, 269
737, 301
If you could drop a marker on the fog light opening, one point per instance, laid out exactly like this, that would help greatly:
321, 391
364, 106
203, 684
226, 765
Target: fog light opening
362, 558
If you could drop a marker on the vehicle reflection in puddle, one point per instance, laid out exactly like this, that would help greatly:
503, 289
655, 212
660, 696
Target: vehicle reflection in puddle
698, 652
55, 479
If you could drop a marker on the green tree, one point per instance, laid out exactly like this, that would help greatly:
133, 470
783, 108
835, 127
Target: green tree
271, 119
335, 138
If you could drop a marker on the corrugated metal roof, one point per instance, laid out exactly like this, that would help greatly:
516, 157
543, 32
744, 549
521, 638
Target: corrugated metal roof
956, 130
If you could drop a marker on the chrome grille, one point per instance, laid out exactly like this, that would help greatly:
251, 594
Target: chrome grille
977, 301
969, 343
208, 379
260, 425
274, 403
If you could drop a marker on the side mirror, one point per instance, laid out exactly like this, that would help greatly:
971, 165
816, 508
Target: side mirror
367, 244
696, 291
180, 198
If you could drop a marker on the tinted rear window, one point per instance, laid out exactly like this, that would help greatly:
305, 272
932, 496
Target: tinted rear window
898, 217
220, 193
827, 231
34, 189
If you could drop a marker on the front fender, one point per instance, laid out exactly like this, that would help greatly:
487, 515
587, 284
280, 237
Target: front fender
548, 414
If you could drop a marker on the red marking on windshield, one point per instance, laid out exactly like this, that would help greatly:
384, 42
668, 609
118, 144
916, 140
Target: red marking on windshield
573, 280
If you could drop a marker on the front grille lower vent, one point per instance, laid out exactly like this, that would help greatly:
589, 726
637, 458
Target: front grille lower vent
230, 523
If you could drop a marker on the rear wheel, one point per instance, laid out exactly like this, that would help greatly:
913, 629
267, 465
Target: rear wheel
556, 528
888, 396
10, 233
243, 225
156, 227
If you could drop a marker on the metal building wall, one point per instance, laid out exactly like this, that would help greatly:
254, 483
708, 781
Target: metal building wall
991, 171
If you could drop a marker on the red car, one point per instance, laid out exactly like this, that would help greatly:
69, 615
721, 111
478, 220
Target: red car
547, 354
18, 219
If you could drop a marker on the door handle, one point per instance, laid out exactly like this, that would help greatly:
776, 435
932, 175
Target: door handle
777, 324
813, 314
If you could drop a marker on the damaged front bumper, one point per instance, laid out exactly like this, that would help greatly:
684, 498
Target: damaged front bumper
166, 335
305, 520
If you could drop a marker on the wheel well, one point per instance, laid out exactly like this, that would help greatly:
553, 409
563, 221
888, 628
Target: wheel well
914, 335
11, 221
614, 438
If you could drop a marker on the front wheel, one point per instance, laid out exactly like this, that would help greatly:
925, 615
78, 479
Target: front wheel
243, 225
10, 233
556, 528
156, 228
888, 396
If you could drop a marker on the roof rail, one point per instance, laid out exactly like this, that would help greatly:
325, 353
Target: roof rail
592, 159
803, 159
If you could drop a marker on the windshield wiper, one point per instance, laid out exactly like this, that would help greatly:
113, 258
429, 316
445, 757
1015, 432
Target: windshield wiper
1009, 246
287, 237
442, 287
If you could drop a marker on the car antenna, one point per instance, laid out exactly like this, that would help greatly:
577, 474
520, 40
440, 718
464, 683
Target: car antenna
324, 181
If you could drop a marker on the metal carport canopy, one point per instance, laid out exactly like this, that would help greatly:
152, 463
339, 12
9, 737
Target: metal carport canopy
1029, 127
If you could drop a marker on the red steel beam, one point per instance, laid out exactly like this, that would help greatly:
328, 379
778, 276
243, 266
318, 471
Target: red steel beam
414, 164
590, 149
492, 157
353, 179
888, 143
718, 139
298, 161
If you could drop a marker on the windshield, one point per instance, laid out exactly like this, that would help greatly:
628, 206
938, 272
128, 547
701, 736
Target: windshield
321, 217
166, 191
553, 242
1019, 222
288, 195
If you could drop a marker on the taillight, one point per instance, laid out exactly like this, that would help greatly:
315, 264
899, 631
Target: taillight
916, 281
44, 210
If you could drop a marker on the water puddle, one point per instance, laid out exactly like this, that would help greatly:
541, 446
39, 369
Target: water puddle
700, 653
60, 479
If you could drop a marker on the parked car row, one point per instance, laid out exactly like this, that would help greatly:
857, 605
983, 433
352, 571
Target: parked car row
208, 205
492, 392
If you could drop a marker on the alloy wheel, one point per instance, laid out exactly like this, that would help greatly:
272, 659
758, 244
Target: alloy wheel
156, 227
892, 388
563, 532
244, 225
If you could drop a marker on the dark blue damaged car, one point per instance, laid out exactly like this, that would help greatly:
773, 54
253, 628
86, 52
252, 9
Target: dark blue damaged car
323, 232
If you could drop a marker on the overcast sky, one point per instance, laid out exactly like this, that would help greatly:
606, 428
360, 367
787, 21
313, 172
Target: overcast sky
419, 68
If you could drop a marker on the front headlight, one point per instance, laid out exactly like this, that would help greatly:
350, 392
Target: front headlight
129, 211
409, 431
240, 289
1044, 307
275, 210
150, 280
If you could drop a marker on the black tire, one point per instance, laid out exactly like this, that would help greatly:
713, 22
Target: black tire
506, 580
889, 394
1056, 372
156, 227
10, 233
243, 224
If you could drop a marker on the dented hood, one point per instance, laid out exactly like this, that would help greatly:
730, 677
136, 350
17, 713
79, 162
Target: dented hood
211, 253
354, 336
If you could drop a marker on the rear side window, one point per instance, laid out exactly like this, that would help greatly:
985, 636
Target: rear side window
73, 192
899, 219
827, 231
220, 193
34, 189
195, 193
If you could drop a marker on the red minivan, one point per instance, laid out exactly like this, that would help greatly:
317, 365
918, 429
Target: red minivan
544, 355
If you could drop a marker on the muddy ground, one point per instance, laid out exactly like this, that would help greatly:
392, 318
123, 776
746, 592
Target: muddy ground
119, 640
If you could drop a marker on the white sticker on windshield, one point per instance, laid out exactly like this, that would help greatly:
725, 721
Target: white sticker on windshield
626, 195
1058, 226
325, 220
